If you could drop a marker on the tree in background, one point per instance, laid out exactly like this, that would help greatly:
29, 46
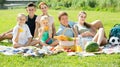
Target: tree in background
112, 5
2, 3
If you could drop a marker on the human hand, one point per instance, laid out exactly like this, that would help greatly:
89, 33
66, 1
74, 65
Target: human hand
46, 28
87, 33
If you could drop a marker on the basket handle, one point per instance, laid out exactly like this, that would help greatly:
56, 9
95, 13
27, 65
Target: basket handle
73, 32
68, 29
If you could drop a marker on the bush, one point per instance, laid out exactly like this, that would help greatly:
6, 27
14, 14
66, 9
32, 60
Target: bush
105, 5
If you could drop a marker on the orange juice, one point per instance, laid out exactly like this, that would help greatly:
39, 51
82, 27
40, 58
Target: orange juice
78, 48
20, 29
46, 28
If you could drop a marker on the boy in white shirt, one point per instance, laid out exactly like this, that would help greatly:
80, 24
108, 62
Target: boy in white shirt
21, 33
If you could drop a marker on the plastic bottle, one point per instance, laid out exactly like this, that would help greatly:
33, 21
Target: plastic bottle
78, 48
81, 42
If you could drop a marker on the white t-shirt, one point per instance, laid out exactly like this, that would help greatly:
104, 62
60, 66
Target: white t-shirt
23, 36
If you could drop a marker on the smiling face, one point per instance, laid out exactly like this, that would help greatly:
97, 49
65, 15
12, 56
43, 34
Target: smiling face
44, 20
31, 10
21, 19
82, 17
64, 20
43, 7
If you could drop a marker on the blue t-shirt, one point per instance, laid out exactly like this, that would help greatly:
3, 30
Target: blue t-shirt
69, 32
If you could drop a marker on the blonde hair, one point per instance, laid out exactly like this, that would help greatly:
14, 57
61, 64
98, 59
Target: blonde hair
42, 3
44, 17
21, 15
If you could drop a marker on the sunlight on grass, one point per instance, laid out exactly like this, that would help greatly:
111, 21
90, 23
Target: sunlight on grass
8, 21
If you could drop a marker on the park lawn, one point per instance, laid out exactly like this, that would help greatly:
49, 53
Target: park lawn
8, 21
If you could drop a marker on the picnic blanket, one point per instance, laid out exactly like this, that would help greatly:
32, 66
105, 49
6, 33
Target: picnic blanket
45, 50
105, 50
111, 49
33, 51
26, 51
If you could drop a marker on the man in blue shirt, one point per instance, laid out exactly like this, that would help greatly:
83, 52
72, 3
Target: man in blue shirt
66, 27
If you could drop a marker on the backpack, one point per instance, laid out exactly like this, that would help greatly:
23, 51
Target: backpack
115, 31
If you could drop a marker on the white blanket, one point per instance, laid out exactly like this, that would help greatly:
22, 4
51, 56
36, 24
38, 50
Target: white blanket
25, 51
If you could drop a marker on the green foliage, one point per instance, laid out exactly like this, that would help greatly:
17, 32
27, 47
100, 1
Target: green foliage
2, 1
105, 5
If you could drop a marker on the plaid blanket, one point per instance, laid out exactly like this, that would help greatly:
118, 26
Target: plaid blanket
45, 50
26, 51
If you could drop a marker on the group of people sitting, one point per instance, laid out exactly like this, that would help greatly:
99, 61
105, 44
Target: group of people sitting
33, 30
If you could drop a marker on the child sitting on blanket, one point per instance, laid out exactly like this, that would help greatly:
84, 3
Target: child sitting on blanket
21, 33
45, 31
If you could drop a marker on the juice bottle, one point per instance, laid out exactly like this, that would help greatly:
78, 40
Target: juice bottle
78, 48
81, 42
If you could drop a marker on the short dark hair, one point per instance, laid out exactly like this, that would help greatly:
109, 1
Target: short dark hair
30, 4
62, 14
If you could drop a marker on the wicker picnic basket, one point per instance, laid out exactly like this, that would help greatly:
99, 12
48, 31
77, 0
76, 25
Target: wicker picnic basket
67, 44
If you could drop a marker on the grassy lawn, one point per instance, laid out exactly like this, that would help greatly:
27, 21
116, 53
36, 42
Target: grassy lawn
8, 21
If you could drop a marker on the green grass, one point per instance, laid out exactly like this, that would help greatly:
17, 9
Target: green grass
8, 21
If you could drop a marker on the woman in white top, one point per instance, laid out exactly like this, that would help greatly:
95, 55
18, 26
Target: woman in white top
89, 31
21, 33
44, 8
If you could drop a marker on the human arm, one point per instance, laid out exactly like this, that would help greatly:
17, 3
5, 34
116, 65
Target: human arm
75, 32
87, 33
75, 29
91, 32
50, 32
40, 33
16, 45
36, 29
7, 32
29, 41
16, 34
53, 30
